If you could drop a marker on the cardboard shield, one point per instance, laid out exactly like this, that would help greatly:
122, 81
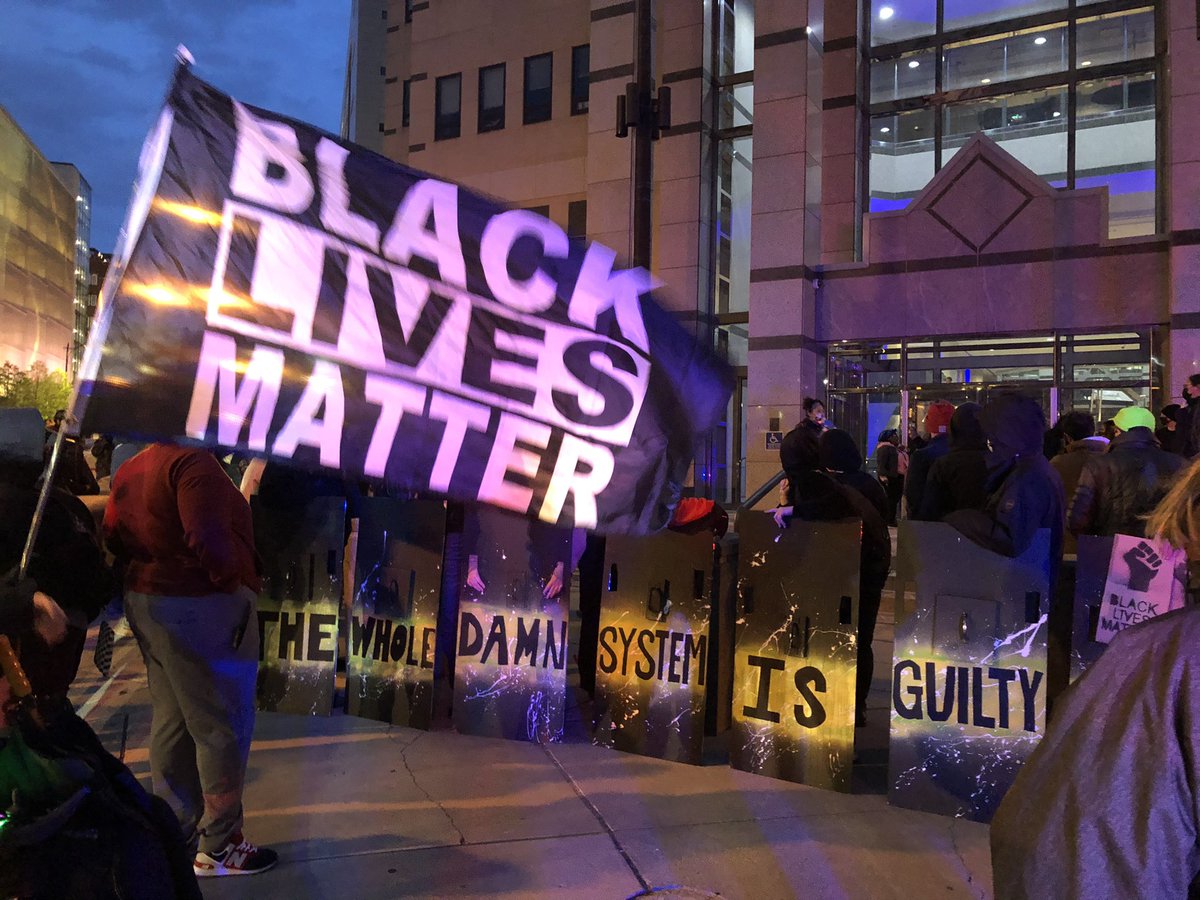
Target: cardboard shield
652, 660
510, 669
393, 622
796, 655
301, 550
969, 673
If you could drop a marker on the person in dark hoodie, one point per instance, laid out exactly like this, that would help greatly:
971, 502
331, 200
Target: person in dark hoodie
817, 496
959, 479
67, 563
937, 426
1024, 494
839, 456
1119, 488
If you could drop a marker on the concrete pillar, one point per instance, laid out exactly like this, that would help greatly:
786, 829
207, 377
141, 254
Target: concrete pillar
1181, 187
786, 362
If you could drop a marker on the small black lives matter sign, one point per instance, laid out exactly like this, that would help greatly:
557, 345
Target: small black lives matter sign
301, 550
393, 621
969, 673
510, 670
653, 647
285, 294
796, 655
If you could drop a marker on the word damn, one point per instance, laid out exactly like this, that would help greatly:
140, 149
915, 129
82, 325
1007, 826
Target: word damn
388, 641
959, 692
676, 651
529, 635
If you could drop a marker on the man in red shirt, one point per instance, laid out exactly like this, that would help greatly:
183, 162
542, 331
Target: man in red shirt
183, 534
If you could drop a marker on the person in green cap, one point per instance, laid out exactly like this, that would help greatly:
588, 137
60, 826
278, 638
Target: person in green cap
1120, 487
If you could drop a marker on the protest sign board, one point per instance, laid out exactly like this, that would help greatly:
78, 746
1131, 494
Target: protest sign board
393, 622
796, 655
969, 673
298, 608
652, 660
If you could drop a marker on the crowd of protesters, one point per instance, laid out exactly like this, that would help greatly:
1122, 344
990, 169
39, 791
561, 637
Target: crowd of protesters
1107, 805
177, 536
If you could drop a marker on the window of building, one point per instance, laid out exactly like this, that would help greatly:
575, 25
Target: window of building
1074, 99
580, 72
448, 102
406, 103
735, 37
539, 82
408, 10
491, 98
577, 219
901, 21
1100, 373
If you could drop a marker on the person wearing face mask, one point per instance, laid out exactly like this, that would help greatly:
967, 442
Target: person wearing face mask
1024, 493
1188, 418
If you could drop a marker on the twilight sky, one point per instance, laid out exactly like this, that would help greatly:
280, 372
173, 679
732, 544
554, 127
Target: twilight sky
85, 78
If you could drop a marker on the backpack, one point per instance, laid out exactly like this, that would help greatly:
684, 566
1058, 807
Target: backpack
121, 842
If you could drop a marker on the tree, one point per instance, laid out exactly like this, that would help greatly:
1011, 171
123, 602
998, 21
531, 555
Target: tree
39, 388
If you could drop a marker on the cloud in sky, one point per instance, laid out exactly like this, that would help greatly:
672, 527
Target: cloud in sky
85, 78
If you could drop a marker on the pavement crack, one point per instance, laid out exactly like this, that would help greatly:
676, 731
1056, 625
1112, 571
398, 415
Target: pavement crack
612, 835
962, 862
404, 748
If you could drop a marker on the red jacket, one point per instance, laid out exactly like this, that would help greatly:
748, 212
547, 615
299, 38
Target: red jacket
179, 525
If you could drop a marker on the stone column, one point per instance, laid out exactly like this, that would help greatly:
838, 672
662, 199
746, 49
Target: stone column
786, 361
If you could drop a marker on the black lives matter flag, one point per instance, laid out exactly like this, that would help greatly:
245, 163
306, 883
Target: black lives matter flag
287, 294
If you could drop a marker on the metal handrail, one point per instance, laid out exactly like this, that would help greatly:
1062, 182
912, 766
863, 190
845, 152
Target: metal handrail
754, 499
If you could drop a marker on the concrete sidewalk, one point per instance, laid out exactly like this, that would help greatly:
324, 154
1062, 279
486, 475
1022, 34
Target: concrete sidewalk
362, 810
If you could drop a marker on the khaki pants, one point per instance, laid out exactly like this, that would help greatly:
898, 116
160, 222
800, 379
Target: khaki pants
202, 680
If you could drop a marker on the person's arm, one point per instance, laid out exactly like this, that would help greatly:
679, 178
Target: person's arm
1081, 514
252, 477
207, 502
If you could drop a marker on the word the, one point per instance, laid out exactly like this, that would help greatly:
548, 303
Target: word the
303, 637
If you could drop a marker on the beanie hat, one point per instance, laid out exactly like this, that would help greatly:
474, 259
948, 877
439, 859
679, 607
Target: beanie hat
1135, 417
938, 416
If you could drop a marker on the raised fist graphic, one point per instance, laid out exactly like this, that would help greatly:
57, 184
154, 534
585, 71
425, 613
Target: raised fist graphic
1144, 563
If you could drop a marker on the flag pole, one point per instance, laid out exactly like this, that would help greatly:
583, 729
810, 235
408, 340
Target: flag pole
39, 511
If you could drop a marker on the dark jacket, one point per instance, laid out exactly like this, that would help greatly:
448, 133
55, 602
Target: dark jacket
959, 479
1107, 804
1024, 493
68, 565
1070, 464
840, 457
1187, 426
887, 460
818, 497
1116, 489
919, 465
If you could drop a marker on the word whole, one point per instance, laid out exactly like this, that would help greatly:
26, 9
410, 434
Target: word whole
381, 319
